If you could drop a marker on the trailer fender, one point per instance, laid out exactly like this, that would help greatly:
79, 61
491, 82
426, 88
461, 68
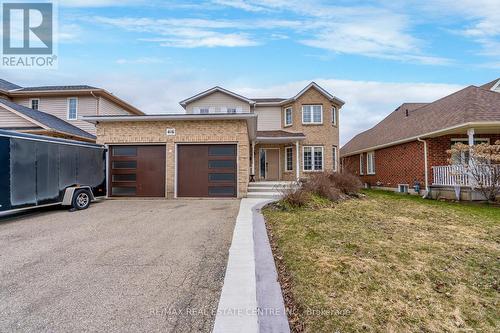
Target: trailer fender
68, 194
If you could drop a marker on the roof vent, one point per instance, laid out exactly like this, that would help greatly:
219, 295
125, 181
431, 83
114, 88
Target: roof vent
406, 113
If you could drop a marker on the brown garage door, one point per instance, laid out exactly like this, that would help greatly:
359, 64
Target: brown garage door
206, 171
137, 171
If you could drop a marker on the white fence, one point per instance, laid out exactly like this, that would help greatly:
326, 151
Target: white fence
458, 175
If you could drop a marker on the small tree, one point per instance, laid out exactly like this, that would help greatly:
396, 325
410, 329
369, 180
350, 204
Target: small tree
482, 163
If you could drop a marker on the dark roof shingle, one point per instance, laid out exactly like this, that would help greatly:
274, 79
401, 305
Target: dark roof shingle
48, 120
50, 88
471, 104
278, 134
6, 85
268, 100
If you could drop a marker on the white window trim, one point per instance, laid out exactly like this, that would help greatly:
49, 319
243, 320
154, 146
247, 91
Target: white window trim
313, 148
232, 108
67, 111
291, 117
370, 155
335, 158
31, 103
312, 122
334, 115
287, 150
404, 185
361, 163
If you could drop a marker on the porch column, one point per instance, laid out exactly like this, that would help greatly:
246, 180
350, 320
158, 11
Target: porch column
297, 160
470, 133
253, 158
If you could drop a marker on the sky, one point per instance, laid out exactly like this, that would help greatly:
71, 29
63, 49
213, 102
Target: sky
374, 55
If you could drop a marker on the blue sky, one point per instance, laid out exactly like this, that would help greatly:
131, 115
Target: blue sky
374, 55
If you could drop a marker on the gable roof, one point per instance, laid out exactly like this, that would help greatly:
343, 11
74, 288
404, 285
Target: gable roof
46, 120
469, 105
6, 85
320, 90
211, 91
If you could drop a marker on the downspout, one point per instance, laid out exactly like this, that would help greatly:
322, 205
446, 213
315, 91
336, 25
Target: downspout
426, 168
96, 103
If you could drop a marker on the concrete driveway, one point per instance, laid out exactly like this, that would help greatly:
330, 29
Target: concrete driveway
120, 266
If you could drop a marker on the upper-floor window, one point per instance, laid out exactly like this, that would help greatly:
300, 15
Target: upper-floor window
72, 108
204, 110
288, 117
334, 115
312, 114
370, 163
312, 158
35, 103
231, 110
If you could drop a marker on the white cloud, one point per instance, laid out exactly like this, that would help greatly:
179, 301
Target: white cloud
98, 3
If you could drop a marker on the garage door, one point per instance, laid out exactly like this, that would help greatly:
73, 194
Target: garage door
137, 171
206, 171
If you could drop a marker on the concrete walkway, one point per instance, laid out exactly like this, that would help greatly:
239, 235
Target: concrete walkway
251, 299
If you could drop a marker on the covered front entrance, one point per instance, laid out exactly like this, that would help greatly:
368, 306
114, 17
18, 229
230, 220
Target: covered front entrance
269, 163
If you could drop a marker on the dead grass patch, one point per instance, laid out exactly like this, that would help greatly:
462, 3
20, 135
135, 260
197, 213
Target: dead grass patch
388, 263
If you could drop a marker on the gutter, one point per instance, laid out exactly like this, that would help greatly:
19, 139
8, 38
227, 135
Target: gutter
426, 168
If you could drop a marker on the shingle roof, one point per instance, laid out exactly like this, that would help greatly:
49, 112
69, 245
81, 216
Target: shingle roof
48, 120
278, 134
6, 85
471, 104
268, 100
50, 88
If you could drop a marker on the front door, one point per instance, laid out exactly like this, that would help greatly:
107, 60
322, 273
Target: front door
270, 159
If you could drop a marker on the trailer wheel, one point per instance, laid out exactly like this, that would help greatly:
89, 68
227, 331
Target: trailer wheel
81, 200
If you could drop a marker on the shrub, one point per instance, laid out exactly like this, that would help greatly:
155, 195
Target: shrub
346, 182
296, 197
321, 184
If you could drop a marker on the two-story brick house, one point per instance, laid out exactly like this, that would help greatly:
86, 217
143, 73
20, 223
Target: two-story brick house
221, 142
57, 110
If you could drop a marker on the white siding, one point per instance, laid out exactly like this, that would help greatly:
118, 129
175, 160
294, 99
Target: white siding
107, 107
269, 118
217, 101
58, 106
9, 120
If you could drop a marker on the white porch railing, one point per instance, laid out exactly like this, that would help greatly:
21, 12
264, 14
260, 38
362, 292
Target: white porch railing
458, 175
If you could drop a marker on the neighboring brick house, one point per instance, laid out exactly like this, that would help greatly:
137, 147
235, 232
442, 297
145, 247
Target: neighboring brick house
223, 141
57, 110
412, 141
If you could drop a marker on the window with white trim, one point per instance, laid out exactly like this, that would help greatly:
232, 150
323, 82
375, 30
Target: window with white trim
334, 157
370, 163
231, 110
288, 159
312, 114
72, 108
361, 164
35, 103
288, 117
334, 115
312, 158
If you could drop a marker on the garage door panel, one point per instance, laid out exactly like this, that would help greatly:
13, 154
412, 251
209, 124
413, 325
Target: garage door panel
206, 171
137, 171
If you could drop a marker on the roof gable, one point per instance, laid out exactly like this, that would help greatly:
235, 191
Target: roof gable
314, 85
213, 90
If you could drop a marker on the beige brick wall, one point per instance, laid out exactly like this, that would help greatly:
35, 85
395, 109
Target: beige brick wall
326, 134
216, 131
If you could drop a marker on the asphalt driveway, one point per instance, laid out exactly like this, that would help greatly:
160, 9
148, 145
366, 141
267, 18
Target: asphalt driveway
120, 266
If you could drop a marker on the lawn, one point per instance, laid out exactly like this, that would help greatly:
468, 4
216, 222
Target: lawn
390, 263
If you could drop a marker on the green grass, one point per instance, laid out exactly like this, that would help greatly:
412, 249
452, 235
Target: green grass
392, 263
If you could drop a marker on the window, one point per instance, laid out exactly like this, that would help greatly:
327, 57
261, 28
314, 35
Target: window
204, 110
288, 117
221, 150
312, 158
463, 157
124, 165
231, 110
221, 177
35, 103
334, 115
72, 108
124, 178
370, 163
312, 114
403, 188
124, 151
289, 158
334, 157
361, 164
221, 164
